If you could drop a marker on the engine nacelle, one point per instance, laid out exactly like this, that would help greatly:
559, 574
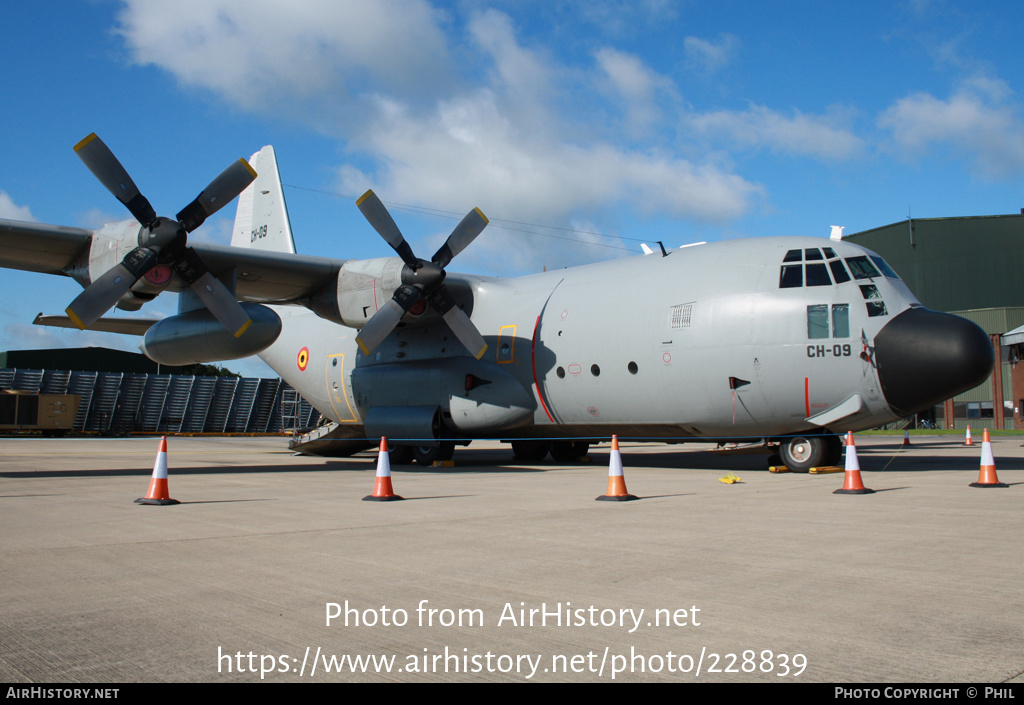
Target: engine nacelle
361, 287
197, 336
108, 245
106, 249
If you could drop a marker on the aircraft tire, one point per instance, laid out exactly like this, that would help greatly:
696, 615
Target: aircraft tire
801, 453
428, 455
834, 453
530, 451
569, 451
400, 455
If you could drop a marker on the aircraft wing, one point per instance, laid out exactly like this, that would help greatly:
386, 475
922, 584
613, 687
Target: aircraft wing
35, 247
263, 276
270, 277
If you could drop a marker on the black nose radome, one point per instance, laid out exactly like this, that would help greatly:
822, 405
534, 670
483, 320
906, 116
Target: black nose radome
925, 357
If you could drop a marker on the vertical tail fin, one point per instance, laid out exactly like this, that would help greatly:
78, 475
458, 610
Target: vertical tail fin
261, 222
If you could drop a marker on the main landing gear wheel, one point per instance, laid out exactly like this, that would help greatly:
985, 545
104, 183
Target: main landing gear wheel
569, 451
801, 453
400, 455
428, 455
530, 451
834, 450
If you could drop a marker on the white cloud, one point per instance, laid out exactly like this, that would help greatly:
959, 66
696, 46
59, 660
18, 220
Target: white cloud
270, 56
520, 134
709, 56
636, 87
12, 211
468, 153
524, 76
977, 121
821, 136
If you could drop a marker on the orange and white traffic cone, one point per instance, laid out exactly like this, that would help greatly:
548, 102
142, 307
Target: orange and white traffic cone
906, 438
968, 441
987, 474
158, 491
616, 482
851, 482
382, 490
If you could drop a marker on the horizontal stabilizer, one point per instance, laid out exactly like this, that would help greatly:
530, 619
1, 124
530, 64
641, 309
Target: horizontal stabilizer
125, 326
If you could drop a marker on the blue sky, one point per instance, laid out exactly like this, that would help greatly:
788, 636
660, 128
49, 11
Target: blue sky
580, 129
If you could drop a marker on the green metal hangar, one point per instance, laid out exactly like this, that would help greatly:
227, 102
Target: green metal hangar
972, 267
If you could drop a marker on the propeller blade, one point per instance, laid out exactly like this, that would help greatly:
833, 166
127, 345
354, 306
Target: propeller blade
377, 214
105, 167
212, 292
465, 232
459, 322
231, 182
387, 318
465, 331
101, 295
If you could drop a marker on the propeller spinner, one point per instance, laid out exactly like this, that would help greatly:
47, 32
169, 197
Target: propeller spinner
161, 241
421, 280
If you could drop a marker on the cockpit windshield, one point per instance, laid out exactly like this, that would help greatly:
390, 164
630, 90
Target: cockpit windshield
819, 263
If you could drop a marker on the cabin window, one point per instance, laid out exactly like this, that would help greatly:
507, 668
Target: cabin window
793, 256
812, 255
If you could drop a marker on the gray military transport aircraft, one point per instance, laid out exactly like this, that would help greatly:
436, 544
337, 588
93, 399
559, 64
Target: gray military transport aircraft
787, 340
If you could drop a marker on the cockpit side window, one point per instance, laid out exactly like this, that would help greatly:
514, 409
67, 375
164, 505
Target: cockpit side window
841, 320
861, 268
817, 321
886, 269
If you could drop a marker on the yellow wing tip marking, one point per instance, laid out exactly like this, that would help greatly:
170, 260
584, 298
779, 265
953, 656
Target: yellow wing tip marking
85, 141
245, 326
74, 318
359, 201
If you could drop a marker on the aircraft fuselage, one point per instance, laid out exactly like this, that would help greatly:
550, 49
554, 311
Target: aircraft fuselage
731, 340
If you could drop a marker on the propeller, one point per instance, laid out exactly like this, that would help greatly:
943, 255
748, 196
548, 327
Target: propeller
422, 281
161, 241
